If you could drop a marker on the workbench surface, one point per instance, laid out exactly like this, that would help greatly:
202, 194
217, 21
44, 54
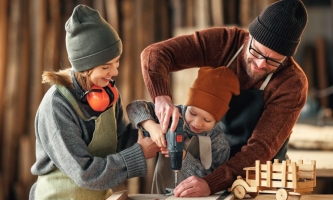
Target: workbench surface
259, 197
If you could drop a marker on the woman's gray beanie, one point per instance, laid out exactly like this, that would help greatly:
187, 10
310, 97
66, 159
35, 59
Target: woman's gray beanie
90, 40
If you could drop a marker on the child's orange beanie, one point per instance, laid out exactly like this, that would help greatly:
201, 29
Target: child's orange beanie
213, 89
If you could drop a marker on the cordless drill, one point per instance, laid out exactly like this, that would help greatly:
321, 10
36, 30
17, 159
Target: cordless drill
175, 145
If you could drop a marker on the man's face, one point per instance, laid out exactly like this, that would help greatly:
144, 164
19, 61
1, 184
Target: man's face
261, 60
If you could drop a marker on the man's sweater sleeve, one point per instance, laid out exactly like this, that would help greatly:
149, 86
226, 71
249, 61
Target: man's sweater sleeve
203, 48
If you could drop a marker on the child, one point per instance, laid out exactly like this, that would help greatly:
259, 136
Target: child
206, 145
81, 129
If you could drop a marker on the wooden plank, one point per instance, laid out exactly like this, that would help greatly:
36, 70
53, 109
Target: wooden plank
321, 69
269, 173
100, 7
36, 89
306, 167
10, 128
231, 16
177, 8
25, 161
3, 57
151, 20
127, 8
112, 13
51, 53
189, 13
202, 18
315, 172
245, 11
277, 184
278, 176
22, 192
2, 195
306, 184
258, 169
295, 175
307, 65
217, 13
306, 175
283, 178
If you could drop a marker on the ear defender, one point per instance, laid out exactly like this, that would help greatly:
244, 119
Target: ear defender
100, 98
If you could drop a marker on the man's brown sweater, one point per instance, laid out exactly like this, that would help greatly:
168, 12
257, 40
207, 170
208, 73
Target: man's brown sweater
284, 96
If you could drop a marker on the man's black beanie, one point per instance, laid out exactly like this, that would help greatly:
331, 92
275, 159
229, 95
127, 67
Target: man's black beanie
280, 26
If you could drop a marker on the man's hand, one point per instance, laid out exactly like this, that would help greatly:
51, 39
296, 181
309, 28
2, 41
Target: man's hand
149, 147
192, 187
165, 109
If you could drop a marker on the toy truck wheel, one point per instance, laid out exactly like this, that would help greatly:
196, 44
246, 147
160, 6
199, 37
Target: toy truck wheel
239, 192
253, 194
281, 194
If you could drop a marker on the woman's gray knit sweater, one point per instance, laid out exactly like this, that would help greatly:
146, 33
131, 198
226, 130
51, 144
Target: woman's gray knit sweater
62, 138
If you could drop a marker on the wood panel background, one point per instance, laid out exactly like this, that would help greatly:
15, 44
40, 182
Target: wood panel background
32, 40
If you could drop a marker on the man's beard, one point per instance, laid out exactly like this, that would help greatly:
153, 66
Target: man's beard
251, 73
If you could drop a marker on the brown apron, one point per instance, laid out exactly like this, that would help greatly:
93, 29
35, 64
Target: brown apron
56, 184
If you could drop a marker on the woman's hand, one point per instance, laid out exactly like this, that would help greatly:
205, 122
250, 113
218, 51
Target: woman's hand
149, 147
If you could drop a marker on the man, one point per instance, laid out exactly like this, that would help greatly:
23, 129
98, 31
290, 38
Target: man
273, 86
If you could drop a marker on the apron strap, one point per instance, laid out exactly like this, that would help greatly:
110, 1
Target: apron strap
264, 84
236, 54
268, 78
205, 146
67, 95
200, 147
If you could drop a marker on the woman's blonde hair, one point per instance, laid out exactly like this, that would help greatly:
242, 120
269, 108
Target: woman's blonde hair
63, 77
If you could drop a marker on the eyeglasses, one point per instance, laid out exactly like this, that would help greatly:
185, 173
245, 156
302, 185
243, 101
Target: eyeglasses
259, 55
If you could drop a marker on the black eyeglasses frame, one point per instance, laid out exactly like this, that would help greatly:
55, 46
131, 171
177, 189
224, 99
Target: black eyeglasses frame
269, 60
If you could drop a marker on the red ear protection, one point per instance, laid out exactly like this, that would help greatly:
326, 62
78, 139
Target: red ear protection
100, 98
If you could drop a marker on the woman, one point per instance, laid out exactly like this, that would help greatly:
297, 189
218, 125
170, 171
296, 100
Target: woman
81, 130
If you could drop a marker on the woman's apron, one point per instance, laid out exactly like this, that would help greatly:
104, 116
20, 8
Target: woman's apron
56, 184
244, 113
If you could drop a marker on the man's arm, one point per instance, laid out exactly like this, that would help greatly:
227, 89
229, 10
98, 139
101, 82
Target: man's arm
210, 47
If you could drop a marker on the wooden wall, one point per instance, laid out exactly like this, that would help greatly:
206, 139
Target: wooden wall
32, 40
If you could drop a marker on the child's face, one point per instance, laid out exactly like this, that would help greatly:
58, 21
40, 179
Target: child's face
101, 75
199, 120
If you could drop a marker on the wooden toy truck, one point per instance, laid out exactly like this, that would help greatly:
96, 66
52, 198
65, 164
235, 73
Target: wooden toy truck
281, 178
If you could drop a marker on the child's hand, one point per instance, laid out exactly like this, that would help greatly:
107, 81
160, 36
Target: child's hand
165, 152
155, 132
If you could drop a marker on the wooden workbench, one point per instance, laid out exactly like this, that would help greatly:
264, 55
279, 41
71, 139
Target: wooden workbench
259, 197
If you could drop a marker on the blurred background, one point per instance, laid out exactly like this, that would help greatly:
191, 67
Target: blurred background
32, 40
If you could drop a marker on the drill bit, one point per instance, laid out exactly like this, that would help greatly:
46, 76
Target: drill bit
176, 179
